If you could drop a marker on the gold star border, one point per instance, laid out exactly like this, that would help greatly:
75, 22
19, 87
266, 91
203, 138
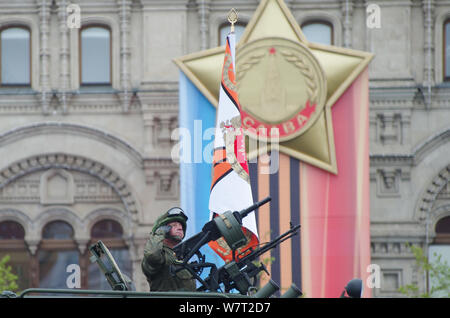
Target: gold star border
342, 66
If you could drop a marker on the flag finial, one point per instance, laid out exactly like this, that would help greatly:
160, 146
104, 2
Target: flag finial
232, 18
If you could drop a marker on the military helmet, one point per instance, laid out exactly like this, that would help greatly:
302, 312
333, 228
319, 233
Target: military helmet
174, 214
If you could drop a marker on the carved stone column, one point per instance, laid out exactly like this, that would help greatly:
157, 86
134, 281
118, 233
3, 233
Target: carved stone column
428, 72
64, 55
125, 53
204, 9
347, 12
44, 53
149, 129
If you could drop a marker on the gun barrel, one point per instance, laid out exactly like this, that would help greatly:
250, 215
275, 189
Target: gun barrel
272, 244
253, 207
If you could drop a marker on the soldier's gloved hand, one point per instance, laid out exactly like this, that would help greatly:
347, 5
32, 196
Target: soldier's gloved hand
164, 230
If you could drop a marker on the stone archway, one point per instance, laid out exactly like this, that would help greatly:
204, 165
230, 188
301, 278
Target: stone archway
75, 163
70, 188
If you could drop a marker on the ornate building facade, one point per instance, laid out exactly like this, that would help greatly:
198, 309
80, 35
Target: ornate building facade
89, 101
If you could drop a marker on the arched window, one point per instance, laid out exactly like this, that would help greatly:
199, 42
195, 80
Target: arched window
12, 243
15, 56
57, 230
110, 232
10, 230
107, 229
95, 55
446, 50
318, 32
57, 251
440, 250
443, 231
224, 29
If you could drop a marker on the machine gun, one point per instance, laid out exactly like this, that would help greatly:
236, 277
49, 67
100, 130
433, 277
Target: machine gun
241, 272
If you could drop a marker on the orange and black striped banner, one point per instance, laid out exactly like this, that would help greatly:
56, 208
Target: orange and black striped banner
283, 186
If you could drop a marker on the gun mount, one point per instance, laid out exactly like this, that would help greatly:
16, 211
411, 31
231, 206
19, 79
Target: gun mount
240, 273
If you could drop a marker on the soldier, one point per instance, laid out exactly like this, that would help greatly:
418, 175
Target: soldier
168, 231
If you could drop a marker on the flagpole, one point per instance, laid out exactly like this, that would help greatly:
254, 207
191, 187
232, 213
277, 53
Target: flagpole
232, 18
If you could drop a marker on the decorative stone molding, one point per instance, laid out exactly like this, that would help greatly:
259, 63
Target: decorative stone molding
71, 102
68, 128
162, 129
390, 127
389, 179
164, 174
82, 244
32, 244
445, 193
71, 162
86, 189
391, 280
159, 122
431, 144
152, 88
164, 5
389, 249
388, 183
408, 160
387, 97
57, 187
428, 197
60, 214
168, 185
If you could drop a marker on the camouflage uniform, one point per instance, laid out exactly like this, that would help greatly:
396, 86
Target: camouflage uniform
157, 260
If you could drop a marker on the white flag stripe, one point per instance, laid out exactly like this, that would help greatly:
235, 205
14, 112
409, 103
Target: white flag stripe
227, 110
231, 192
